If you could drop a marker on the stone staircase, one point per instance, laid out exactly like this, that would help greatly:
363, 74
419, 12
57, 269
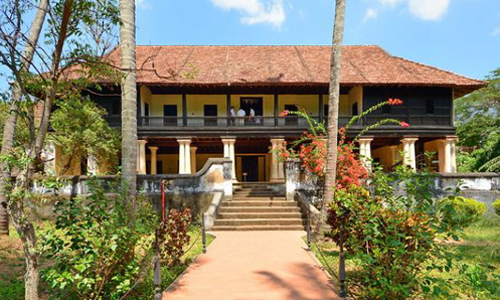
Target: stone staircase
257, 206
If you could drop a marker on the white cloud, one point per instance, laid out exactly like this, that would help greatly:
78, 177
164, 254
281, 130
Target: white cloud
496, 31
143, 4
255, 11
370, 14
428, 10
391, 2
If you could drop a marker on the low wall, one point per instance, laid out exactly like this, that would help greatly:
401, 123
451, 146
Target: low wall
483, 187
182, 190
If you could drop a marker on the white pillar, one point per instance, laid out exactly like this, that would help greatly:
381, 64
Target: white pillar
230, 153
181, 158
184, 156
193, 159
449, 164
409, 158
365, 151
92, 165
142, 156
277, 169
153, 150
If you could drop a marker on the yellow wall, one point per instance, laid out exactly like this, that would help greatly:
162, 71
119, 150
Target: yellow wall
387, 156
438, 147
145, 98
157, 102
308, 102
195, 103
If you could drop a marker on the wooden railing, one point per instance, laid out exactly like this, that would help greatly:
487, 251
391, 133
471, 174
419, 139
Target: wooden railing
260, 121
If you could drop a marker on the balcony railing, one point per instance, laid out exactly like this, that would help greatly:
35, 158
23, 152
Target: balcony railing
288, 122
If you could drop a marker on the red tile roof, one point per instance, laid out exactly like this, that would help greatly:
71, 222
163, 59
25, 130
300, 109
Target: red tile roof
270, 65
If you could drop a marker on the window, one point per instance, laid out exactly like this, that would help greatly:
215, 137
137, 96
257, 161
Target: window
429, 106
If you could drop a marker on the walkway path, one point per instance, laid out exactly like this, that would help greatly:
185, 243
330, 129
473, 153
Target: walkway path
254, 265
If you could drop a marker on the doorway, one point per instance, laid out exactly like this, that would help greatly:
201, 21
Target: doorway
250, 168
210, 113
255, 103
170, 115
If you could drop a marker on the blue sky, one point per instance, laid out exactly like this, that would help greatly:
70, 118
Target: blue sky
462, 36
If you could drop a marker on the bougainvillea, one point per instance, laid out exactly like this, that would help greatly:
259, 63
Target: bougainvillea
312, 147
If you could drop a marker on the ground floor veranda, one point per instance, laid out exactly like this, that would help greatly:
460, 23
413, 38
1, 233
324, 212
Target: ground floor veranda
254, 159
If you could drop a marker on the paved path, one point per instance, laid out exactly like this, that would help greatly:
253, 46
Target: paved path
254, 265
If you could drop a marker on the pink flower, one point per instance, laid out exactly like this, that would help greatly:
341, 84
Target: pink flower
284, 113
404, 124
395, 101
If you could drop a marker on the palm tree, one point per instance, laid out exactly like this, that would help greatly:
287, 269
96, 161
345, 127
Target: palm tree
333, 114
333, 102
10, 124
129, 96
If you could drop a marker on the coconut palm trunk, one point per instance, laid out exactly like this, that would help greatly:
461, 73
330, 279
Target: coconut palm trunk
10, 124
129, 96
333, 102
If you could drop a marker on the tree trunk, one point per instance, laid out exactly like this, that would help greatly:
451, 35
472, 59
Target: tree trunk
129, 96
20, 192
333, 102
10, 124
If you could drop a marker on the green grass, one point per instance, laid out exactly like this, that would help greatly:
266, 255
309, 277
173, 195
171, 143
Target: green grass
479, 247
12, 268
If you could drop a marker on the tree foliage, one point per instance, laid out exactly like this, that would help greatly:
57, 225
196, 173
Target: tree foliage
81, 131
478, 126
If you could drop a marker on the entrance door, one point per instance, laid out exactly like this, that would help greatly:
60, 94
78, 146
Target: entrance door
170, 115
210, 113
255, 103
250, 168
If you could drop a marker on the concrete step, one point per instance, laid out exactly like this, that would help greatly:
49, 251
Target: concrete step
257, 228
259, 194
260, 215
240, 198
247, 222
259, 203
258, 209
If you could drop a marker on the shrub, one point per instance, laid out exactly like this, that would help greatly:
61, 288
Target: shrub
98, 245
467, 211
496, 206
173, 235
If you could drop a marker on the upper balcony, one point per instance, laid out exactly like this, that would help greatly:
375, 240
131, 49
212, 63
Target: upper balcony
428, 111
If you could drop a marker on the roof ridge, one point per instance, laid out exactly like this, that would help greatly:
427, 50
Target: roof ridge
438, 69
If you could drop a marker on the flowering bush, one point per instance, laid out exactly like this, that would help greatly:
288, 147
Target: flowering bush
312, 147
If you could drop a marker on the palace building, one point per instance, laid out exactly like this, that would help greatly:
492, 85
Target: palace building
186, 95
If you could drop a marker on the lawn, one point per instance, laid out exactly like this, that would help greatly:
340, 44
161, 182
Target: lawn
12, 268
479, 246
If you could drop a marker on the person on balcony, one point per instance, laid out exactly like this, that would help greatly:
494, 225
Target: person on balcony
232, 116
241, 117
251, 118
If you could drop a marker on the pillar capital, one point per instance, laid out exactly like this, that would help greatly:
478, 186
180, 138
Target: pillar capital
153, 148
142, 142
409, 139
184, 141
451, 138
